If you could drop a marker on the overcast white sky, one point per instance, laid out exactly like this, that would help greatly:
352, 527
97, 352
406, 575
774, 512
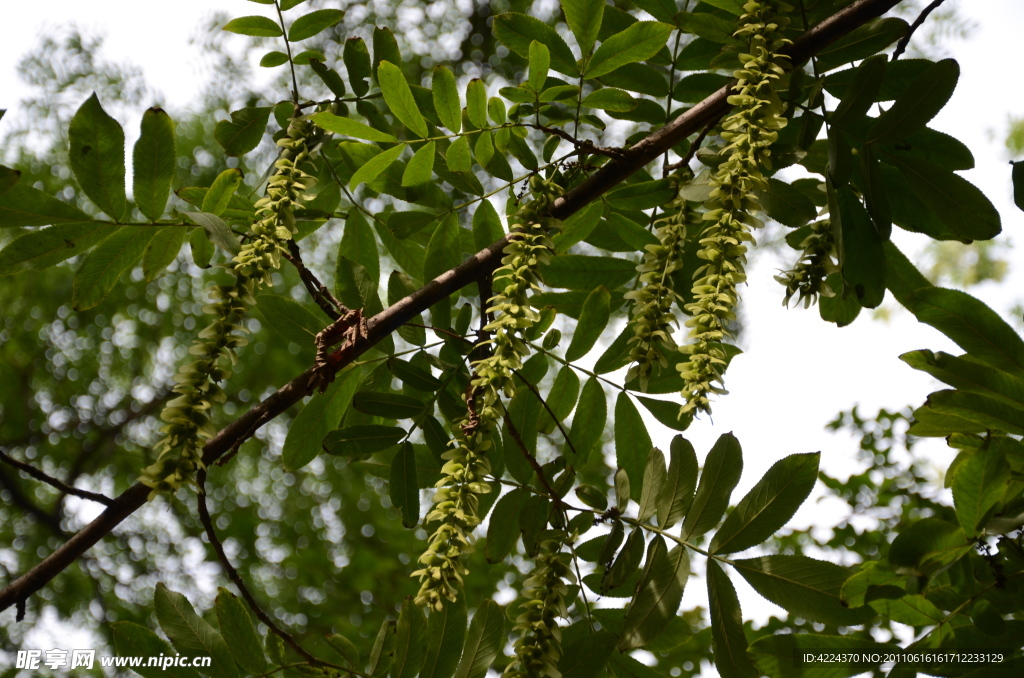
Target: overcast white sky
797, 372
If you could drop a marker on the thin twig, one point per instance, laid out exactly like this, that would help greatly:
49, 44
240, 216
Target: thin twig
694, 147
53, 482
581, 145
547, 407
236, 578
532, 461
291, 62
901, 46
327, 302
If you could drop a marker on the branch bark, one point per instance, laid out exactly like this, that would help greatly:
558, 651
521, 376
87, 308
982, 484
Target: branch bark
384, 323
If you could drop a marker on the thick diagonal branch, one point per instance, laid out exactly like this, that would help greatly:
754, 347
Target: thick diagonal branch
384, 323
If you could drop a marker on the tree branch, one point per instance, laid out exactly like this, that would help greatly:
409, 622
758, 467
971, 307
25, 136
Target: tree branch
469, 271
53, 482
901, 46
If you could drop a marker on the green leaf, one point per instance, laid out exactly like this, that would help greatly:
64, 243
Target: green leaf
388, 405
580, 272
622, 489
578, 227
96, 156
255, 26
610, 99
23, 205
444, 251
584, 19
221, 191
862, 42
722, 470
410, 652
642, 195
382, 655
273, 59
405, 494
625, 666
413, 375
457, 157
804, 587
483, 642
8, 178
487, 228
680, 481
153, 163
308, 25
862, 92
540, 64
357, 63
243, 132
476, 103
588, 424
190, 634
1017, 175
769, 505
654, 479
41, 249
728, 641
986, 412
239, 633
928, 547
421, 166
362, 439
286, 4
593, 319
971, 324
626, 564
446, 631
917, 104
446, 99
202, 249
969, 375
956, 202
372, 168
666, 412
632, 442
503, 526
782, 655
359, 244
162, 250
561, 398
516, 31
709, 27
658, 595
385, 48
104, 266
913, 610
344, 648
861, 256
586, 657
698, 86
978, 487
406, 224
217, 230
291, 319
786, 204
319, 417
399, 97
350, 128
639, 42
132, 640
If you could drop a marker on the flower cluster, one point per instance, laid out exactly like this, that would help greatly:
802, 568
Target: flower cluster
462, 476
456, 504
539, 646
652, 318
186, 417
810, 274
749, 132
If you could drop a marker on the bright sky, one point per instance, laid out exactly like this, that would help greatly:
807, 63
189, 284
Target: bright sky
797, 371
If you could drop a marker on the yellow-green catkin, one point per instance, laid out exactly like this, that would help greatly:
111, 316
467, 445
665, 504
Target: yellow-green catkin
186, 417
463, 476
749, 132
652, 318
809, 277
545, 592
